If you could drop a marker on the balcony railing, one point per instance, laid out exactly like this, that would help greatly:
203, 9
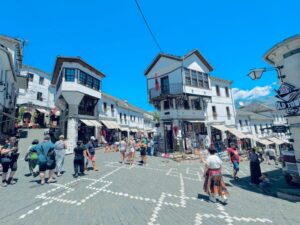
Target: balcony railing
172, 89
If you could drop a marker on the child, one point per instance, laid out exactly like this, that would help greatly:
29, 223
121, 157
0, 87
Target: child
265, 183
79, 153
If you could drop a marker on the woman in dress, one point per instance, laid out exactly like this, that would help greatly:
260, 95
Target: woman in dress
122, 149
255, 171
214, 184
60, 151
131, 150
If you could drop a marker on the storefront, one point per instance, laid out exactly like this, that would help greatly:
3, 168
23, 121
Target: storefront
87, 129
195, 133
110, 132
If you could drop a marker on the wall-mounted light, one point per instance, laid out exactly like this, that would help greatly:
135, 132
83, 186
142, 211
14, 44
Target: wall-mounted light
257, 73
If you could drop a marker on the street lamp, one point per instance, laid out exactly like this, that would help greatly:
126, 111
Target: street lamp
256, 74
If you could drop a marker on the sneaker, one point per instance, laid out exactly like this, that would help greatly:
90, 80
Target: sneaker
4, 184
212, 199
75, 175
42, 182
82, 174
59, 174
224, 199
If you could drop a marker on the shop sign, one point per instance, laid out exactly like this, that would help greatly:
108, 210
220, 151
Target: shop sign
288, 94
279, 129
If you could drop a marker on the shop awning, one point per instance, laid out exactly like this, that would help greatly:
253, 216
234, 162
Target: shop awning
134, 130
124, 129
276, 141
220, 127
43, 111
237, 133
262, 141
196, 121
91, 123
110, 124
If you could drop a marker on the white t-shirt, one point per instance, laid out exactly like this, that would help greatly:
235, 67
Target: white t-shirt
122, 146
213, 162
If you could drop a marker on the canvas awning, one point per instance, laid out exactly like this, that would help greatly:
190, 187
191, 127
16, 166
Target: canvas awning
256, 139
196, 121
134, 130
276, 141
110, 124
237, 133
124, 129
220, 127
91, 123
43, 111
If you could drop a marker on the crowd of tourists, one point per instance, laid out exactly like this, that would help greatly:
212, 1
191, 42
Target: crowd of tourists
49, 157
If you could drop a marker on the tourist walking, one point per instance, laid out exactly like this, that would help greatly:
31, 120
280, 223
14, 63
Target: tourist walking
46, 159
79, 154
151, 141
271, 155
9, 158
255, 170
60, 151
122, 149
32, 158
214, 184
235, 159
131, 149
91, 154
143, 146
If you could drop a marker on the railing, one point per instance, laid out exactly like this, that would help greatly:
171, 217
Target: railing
172, 89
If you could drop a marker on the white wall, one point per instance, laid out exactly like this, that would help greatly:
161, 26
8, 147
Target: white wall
30, 95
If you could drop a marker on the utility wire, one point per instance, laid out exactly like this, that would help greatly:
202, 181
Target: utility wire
147, 24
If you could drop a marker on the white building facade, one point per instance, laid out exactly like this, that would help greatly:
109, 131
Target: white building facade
38, 99
121, 119
191, 102
11, 56
77, 92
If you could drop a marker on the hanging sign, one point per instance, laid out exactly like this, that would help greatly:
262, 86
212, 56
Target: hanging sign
289, 96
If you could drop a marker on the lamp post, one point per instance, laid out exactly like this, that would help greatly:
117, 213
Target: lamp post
257, 73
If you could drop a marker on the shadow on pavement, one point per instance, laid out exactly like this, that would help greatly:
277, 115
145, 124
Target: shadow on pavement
277, 183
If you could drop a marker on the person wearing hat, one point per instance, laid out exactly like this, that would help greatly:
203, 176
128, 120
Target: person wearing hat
214, 184
90, 153
60, 151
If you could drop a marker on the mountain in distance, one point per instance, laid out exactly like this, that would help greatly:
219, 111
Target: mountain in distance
268, 101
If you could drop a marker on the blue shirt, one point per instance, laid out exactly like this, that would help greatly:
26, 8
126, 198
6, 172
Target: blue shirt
43, 149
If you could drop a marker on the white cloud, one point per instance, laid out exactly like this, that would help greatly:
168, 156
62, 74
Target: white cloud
254, 93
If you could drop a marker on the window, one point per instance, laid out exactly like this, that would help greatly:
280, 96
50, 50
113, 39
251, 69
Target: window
69, 75
89, 81
41, 81
255, 128
121, 117
228, 112
96, 84
166, 104
39, 96
125, 118
246, 121
200, 80
104, 107
196, 104
261, 128
205, 78
218, 90
186, 104
82, 78
194, 78
227, 91
241, 123
187, 77
30, 76
112, 109
214, 111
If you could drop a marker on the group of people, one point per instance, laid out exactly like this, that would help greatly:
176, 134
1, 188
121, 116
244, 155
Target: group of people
214, 185
127, 148
45, 156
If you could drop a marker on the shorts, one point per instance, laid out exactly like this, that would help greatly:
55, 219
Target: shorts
236, 165
143, 152
92, 158
272, 158
43, 166
9, 165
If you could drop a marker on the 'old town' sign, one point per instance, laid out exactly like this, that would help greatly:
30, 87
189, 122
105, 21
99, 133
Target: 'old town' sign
288, 94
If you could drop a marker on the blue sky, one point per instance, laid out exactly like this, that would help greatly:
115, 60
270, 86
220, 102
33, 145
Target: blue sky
111, 36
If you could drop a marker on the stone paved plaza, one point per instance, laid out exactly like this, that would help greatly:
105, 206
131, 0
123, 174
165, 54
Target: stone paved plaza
164, 192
